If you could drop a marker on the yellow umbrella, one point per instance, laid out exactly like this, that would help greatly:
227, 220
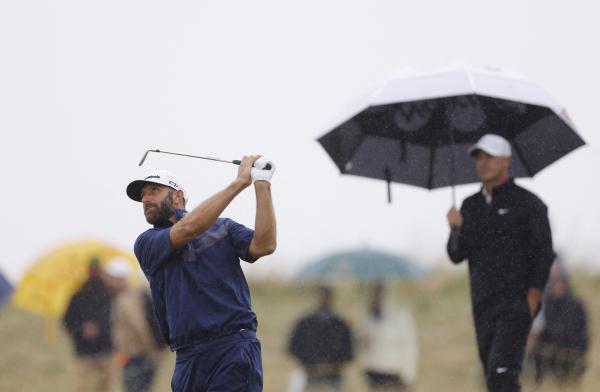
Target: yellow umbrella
48, 285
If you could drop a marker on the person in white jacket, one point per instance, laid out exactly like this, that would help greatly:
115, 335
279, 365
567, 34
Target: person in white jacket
387, 344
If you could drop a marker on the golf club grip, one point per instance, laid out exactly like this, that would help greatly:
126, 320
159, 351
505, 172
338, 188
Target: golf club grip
237, 162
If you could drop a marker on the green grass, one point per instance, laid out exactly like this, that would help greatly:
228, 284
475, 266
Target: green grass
448, 358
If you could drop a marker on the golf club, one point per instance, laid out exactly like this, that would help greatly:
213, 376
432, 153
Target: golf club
235, 161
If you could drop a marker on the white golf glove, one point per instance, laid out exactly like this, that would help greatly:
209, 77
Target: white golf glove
259, 173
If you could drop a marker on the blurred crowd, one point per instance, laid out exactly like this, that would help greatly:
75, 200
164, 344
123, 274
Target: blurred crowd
116, 338
384, 341
113, 330
559, 337
386, 346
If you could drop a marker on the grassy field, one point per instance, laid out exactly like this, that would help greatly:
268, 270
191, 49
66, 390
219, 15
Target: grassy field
448, 359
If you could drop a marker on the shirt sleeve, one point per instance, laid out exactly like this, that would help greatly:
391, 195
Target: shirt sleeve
540, 251
152, 249
241, 236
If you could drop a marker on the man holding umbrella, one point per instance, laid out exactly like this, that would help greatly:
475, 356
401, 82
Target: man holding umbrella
504, 233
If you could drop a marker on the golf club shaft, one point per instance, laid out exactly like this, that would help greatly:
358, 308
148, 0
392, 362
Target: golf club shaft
235, 161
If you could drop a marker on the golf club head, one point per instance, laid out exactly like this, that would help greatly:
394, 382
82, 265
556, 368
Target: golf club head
145, 155
144, 158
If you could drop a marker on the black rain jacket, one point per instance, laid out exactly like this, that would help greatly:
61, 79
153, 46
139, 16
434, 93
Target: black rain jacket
91, 303
321, 338
508, 244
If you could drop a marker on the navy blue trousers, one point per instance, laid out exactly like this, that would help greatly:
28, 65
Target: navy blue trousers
228, 364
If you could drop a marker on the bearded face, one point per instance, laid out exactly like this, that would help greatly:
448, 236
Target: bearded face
158, 213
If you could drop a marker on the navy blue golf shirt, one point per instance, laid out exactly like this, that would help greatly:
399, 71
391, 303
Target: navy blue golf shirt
199, 291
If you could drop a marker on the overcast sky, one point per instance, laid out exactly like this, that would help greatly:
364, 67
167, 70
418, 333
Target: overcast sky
87, 87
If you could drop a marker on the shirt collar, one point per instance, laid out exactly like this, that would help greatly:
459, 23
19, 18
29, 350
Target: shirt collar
486, 195
180, 213
495, 191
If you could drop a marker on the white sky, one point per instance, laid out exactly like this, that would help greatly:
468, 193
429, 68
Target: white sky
87, 87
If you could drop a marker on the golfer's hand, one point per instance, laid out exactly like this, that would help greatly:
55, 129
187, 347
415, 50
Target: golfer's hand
259, 173
455, 219
244, 178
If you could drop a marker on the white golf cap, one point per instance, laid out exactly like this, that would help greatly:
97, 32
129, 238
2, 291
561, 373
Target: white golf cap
494, 145
118, 267
162, 177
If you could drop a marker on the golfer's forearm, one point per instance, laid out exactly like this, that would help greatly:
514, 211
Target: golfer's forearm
204, 215
264, 241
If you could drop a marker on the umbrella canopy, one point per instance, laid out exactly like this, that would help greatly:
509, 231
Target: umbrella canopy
5, 289
49, 284
361, 264
416, 129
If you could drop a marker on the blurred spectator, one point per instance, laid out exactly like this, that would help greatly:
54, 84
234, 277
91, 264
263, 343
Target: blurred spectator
136, 345
559, 340
322, 343
5, 290
387, 344
87, 321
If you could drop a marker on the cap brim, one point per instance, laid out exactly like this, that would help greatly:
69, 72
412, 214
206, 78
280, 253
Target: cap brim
134, 189
473, 149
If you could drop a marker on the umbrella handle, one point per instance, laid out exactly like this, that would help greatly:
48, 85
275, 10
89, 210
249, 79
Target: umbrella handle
388, 179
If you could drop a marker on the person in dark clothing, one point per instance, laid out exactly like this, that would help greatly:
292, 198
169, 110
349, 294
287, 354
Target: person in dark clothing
193, 263
88, 322
504, 233
322, 343
561, 341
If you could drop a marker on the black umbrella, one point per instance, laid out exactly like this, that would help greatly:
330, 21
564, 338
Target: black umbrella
418, 127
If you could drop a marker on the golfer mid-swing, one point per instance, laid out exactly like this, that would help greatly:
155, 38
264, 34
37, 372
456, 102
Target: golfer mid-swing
201, 297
